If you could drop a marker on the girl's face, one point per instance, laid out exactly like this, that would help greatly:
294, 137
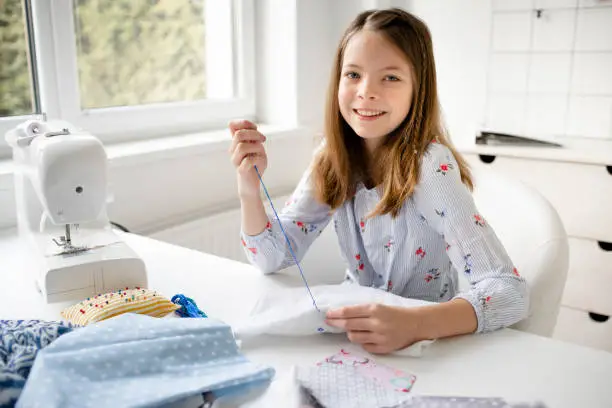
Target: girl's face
375, 89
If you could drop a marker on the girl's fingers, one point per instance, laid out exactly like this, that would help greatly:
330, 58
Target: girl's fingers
363, 337
376, 348
236, 125
356, 323
350, 312
244, 149
250, 161
246, 136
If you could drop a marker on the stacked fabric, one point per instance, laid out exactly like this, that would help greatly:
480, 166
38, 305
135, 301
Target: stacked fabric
137, 360
20, 341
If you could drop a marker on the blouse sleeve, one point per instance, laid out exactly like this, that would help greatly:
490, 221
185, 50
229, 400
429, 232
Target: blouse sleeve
497, 292
303, 218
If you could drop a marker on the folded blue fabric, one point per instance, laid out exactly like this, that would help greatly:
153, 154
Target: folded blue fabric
136, 360
20, 341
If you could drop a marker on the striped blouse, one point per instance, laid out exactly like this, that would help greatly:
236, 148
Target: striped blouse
418, 254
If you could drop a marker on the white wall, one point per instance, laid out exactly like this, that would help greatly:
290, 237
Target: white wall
276, 59
460, 31
500, 67
314, 59
551, 76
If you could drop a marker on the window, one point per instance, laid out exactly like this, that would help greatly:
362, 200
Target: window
127, 69
145, 52
17, 73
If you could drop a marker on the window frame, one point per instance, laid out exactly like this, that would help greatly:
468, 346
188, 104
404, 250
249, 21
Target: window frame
58, 82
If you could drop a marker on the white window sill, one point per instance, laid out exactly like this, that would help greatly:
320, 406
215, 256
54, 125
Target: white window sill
146, 151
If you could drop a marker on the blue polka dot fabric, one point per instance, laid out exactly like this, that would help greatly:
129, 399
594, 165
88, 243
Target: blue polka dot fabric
137, 360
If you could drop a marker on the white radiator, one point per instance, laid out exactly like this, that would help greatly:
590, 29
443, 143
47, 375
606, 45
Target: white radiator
219, 234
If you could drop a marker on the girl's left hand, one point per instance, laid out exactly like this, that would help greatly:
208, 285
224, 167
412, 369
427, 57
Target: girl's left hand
378, 328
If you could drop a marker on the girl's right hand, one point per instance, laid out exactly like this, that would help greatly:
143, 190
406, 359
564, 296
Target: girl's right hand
247, 151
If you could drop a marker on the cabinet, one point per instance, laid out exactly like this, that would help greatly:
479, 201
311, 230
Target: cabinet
577, 180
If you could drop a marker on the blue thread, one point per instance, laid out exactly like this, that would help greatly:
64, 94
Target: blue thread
188, 307
286, 238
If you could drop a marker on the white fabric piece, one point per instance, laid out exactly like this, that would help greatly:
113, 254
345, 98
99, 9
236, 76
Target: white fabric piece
290, 312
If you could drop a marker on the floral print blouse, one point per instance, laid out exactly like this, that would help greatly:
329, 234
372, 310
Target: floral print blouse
437, 235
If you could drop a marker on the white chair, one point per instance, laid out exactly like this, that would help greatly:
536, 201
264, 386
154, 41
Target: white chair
533, 234
528, 227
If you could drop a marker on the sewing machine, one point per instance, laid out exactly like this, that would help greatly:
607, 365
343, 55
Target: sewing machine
61, 196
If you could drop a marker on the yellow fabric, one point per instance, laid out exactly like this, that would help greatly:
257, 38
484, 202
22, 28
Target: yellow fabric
107, 305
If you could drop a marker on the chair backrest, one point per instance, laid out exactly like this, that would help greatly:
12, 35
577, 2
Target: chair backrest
533, 234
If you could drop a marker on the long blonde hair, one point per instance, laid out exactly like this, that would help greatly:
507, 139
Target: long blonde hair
342, 161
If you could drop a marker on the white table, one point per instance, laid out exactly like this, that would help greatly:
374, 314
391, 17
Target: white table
509, 364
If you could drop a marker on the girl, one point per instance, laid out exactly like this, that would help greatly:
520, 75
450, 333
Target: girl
398, 194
